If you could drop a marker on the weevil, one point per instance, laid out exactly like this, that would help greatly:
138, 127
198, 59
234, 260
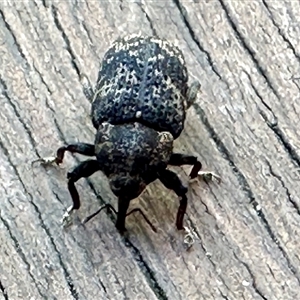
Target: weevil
139, 106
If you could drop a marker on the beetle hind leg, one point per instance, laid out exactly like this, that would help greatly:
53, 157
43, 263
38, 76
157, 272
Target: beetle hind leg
87, 87
84, 169
192, 93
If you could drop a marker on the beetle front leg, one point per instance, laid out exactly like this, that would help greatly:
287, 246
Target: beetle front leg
178, 159
84, 169
171, 181
81, 148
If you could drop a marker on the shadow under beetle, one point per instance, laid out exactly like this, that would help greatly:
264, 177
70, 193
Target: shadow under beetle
138, 109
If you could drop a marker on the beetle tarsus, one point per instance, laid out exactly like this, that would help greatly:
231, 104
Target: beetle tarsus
45, 161
68, 217
188, 239
207, 176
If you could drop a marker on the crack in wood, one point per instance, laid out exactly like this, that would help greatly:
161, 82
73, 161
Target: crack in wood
3, 290
248, 49
282, 139
144, 267
254, 284
16, 112
154, 32
42, 31
288, 194
22, 255
280, 32
67, 275
16, 43
66, 40
184, 17
244, 184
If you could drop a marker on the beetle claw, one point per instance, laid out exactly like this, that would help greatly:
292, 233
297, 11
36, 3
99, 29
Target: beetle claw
68, 217
188, 239
46, 161
207, 176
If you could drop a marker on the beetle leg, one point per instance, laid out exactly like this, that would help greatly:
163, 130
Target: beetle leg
87, 87
178, 159
81, 148
192, 94
84, 169
171, 181
208, 176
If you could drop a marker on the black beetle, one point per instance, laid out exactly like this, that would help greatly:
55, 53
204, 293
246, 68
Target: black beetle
138, 109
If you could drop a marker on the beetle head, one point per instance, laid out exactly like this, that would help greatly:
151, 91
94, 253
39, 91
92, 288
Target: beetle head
127, 186
131, 156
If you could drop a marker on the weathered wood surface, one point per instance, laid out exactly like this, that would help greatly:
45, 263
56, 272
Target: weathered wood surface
244, 127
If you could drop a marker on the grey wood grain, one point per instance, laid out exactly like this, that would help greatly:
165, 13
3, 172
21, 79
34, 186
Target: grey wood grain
244, 127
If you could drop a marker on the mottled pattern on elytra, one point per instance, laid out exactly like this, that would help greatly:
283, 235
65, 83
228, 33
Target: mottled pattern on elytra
131, 155
142, 79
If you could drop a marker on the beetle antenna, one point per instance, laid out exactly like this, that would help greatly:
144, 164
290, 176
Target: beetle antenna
144, 216
109, 206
